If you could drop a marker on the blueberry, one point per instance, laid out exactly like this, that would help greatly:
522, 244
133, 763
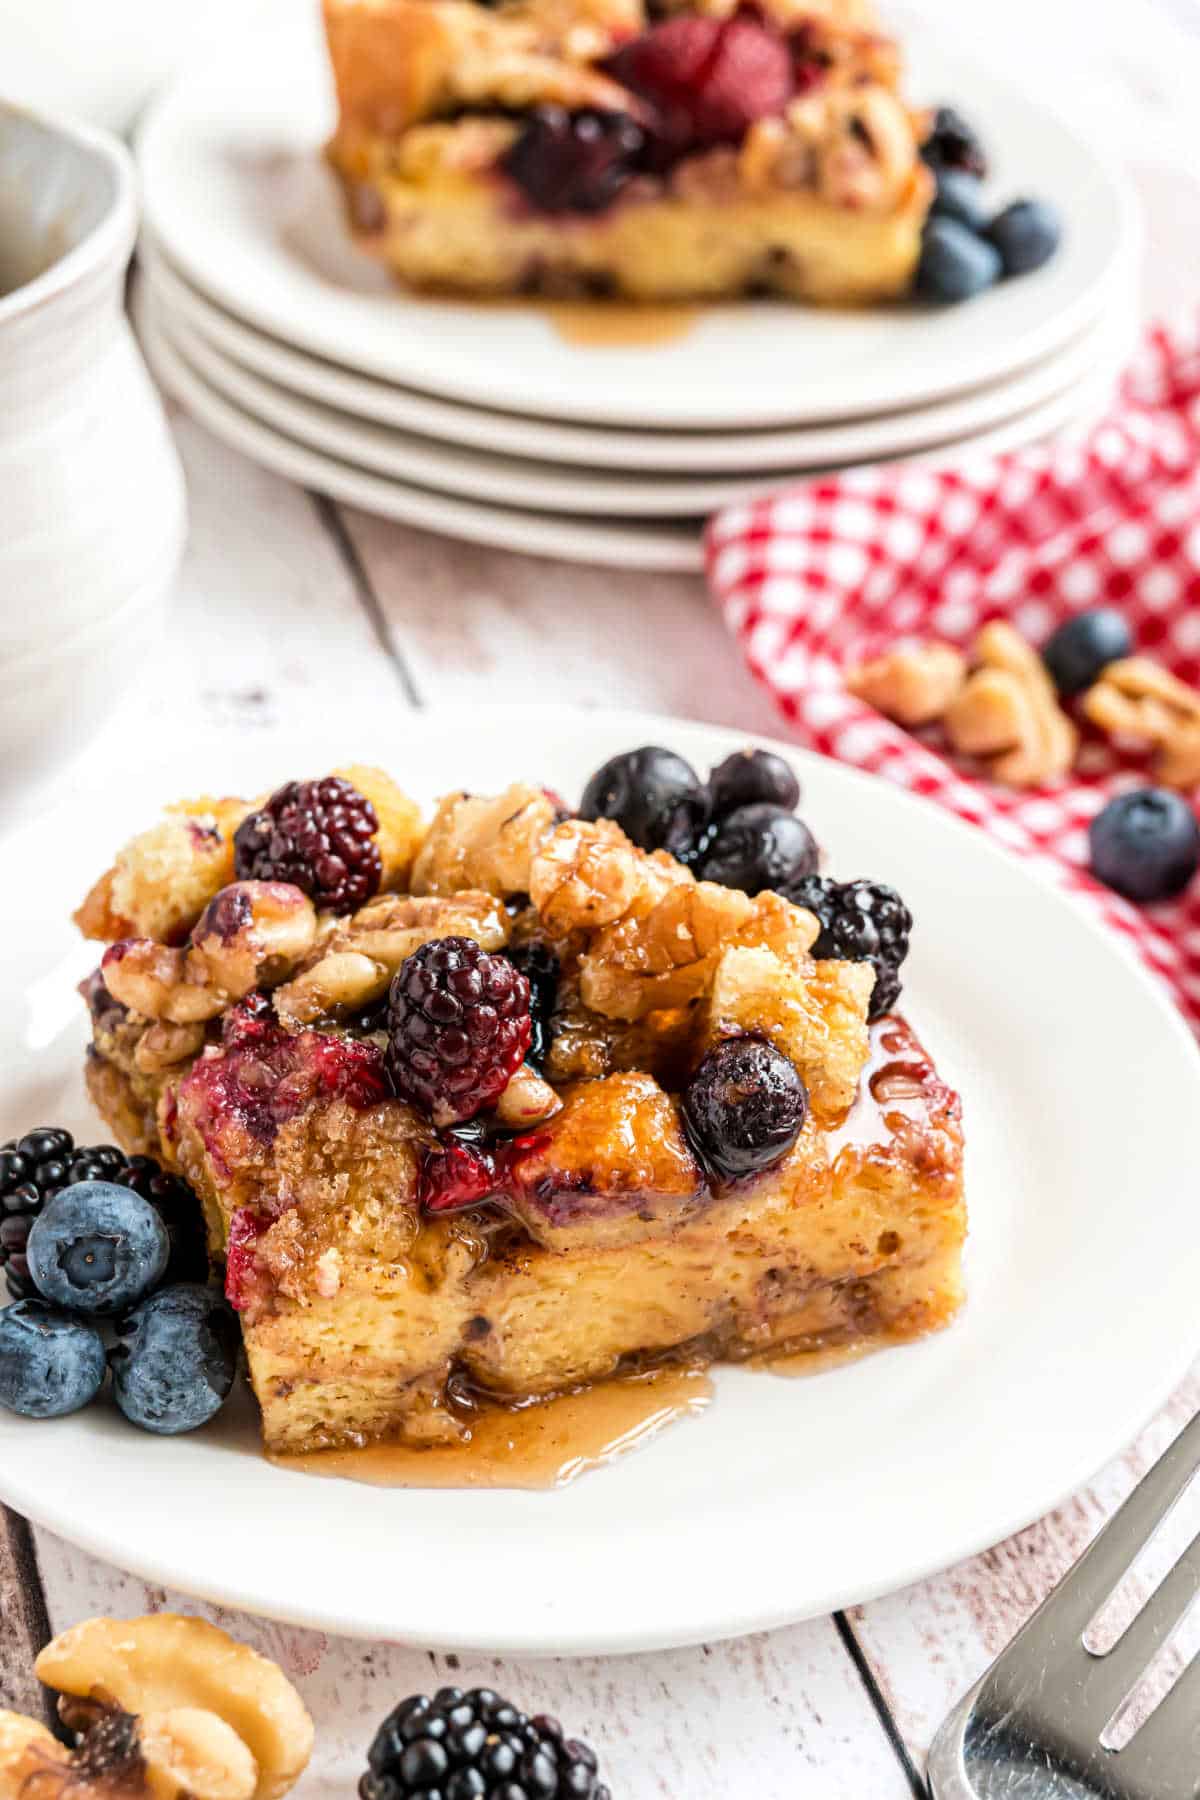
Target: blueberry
1082, 647
960, 196
953, 144
749, 776
955, 264
1026, 234
97, 1248
175, 1365
654, 796
50, 1363
759, 847
744, 1107
1145, 844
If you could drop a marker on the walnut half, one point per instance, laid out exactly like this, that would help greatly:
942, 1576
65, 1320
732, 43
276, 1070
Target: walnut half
1137, 699
180, 1707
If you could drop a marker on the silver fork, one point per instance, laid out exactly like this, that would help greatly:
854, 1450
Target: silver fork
1031, 1729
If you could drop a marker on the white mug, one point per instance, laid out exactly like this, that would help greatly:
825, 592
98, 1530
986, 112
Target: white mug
92, 511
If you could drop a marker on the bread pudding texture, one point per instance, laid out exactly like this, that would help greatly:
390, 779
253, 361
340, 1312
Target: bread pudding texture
606, 147
387, 1262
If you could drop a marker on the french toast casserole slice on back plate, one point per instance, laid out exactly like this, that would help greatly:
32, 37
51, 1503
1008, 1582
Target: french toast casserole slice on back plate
594, 147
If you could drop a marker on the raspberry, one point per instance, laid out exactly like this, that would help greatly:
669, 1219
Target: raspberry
459, 1026
318, 835
708, 80
574, 162
861, 921
475, 1745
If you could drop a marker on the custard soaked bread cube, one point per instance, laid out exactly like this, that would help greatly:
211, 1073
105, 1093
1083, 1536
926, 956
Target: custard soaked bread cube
713, 1153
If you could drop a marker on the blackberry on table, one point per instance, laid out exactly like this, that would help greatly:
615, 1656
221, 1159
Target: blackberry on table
861, 921
320, 837
476, 1746
39, 1165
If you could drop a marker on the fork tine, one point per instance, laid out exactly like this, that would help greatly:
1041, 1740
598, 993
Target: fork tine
1053, 1634
1085, 1588
1107, 1679
1162, 1758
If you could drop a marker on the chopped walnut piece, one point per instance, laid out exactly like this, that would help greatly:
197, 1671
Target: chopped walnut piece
223, 1722
815, 1012
913, 685
1137, 699
1008, 713
251, 935
652, 931
485, 844
354, 964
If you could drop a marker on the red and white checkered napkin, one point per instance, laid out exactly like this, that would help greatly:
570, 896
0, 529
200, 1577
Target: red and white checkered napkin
828, 573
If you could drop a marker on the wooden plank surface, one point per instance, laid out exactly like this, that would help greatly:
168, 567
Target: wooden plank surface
24, 1625
287, 606
774, 1717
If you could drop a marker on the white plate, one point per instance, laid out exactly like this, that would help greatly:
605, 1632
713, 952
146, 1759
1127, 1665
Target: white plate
621, 543
236, 193
627, 544
1081, 1088
593, 446
510, 481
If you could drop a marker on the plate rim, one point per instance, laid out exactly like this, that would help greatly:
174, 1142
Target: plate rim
595, 446
1116, 1432
465, 472
647, 544
308, 324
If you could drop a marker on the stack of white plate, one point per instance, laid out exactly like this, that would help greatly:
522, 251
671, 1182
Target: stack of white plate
591, 432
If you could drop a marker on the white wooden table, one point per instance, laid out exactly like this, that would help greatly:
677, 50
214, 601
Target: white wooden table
289, 605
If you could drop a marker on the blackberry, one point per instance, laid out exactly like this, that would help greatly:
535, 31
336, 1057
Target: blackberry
541, 969
476, 1746
744, 1108
459, 1027
318, 835
39, 1165
861, 921
574, 161
953, 144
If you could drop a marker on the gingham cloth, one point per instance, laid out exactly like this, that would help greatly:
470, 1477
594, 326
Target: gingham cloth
829, 573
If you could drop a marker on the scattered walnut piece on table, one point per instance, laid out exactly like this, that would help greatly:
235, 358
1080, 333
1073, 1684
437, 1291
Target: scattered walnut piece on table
1008, 714
913, 685
1139, 700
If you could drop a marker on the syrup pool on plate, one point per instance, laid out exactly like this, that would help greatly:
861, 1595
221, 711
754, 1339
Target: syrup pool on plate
543, 1444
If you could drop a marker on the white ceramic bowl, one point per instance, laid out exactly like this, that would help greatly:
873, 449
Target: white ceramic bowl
92, 514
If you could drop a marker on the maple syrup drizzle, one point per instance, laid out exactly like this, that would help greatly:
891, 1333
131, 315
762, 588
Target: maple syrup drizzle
543, 1444
550, 1443
619, 325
